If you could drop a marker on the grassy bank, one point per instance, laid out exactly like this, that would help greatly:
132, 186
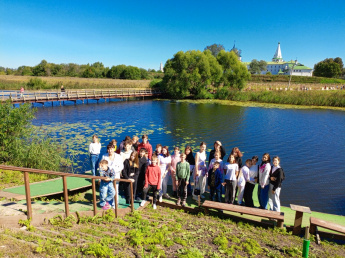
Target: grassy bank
157, 233
295, 79
308, 98
10, 82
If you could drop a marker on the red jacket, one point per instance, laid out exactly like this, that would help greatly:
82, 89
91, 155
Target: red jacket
153, 176
147, 146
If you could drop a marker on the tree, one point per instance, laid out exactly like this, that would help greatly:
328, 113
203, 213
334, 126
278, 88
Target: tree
132, 73
190, 73
256, 67
235, 74
328, 68
215, 49
41, 69
116, 72
339, 61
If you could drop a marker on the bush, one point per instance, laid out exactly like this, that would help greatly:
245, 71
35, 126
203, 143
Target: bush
37, 84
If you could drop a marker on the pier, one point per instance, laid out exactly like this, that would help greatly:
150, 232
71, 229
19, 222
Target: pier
75, 95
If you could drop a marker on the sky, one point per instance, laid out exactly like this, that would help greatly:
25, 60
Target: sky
146, 33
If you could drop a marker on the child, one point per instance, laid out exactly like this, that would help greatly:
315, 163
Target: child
182, 179
145, 144
114, 143
191, 160
127, 150
174, 160
164, 162
215, 181
131, 172
264, 172
142, 169
94, 151
158, 150
276, 178
238, 156
217, 158
135, 142
230, 179
152, 181
217, 147
147, 158
106, 189
200, 171
241, 183
250, 183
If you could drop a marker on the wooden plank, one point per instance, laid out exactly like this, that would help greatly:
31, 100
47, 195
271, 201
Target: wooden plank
65, 195
244, 210
298, 223
300, 208
94, 197
326, 224
27, 194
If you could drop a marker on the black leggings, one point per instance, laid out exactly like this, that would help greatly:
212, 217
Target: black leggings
248, 194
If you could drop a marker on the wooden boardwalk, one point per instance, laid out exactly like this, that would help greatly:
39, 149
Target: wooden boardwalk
74, 95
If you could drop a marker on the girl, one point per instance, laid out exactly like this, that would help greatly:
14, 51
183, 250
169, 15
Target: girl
135, 143
238, 156
217, 158
114, 142
164, 162
131, 172
142, 169
264, 172
115, 162
217, 147
200, 171
94, 151
158, 150
231, 173
191, 160
127, 150
241, 182
250, 183
276, 177
174, 160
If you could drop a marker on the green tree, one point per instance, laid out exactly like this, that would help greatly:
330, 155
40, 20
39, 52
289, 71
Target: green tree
339, 61
41, 69
235, 74
190, 73
215, 49
116, 72
24, 70
256, 67
327, 68
132, 73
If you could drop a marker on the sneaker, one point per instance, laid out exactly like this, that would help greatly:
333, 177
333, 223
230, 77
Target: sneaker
142, 203
203, 197
106, 207
154, 206
178, 202
160, 199
183, 204
166, 196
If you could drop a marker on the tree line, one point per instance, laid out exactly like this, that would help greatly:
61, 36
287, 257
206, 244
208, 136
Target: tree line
95, 70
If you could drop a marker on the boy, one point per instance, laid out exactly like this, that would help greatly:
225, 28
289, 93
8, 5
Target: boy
145, 144
215, 181
106, 189
182, 179
244, 173
142, 170
152, 180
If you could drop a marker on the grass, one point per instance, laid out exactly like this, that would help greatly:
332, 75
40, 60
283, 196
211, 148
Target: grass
157, 233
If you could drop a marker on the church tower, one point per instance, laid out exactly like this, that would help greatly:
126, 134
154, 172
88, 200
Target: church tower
278, 55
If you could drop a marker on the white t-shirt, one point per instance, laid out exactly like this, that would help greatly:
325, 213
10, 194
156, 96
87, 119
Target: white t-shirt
116, 163
241, 179
253, 172
95, 148
163, 163
230, 171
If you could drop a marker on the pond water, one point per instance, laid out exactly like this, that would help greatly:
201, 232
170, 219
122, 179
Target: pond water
310, 142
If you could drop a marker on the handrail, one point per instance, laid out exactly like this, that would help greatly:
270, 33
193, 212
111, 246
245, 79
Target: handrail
26, 172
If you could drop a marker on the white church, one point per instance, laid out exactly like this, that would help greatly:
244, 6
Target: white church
279, 66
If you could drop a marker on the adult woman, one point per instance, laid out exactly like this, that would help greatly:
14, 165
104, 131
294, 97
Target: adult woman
131, 172
164, 162
264, 172
238, 156
217, 147
200, 170
115, 162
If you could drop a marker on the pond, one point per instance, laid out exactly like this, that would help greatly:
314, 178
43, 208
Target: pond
310, 142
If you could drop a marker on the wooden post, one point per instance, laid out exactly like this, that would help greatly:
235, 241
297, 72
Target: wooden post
298, 223
94, 196
65, 195
27, 194
116, 200
132, 201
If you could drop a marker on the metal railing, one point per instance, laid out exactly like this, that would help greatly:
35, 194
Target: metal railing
43, 96
64, 176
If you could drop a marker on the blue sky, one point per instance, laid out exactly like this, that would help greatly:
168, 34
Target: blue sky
145, 33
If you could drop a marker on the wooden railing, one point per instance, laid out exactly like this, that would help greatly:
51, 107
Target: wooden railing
43, 96
64, 176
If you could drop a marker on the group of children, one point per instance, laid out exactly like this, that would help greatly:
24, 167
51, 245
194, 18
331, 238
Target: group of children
150, 170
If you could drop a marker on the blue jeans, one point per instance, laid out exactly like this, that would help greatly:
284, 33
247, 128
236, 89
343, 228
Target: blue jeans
216, 191
106, 193
264, 196
94, 162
